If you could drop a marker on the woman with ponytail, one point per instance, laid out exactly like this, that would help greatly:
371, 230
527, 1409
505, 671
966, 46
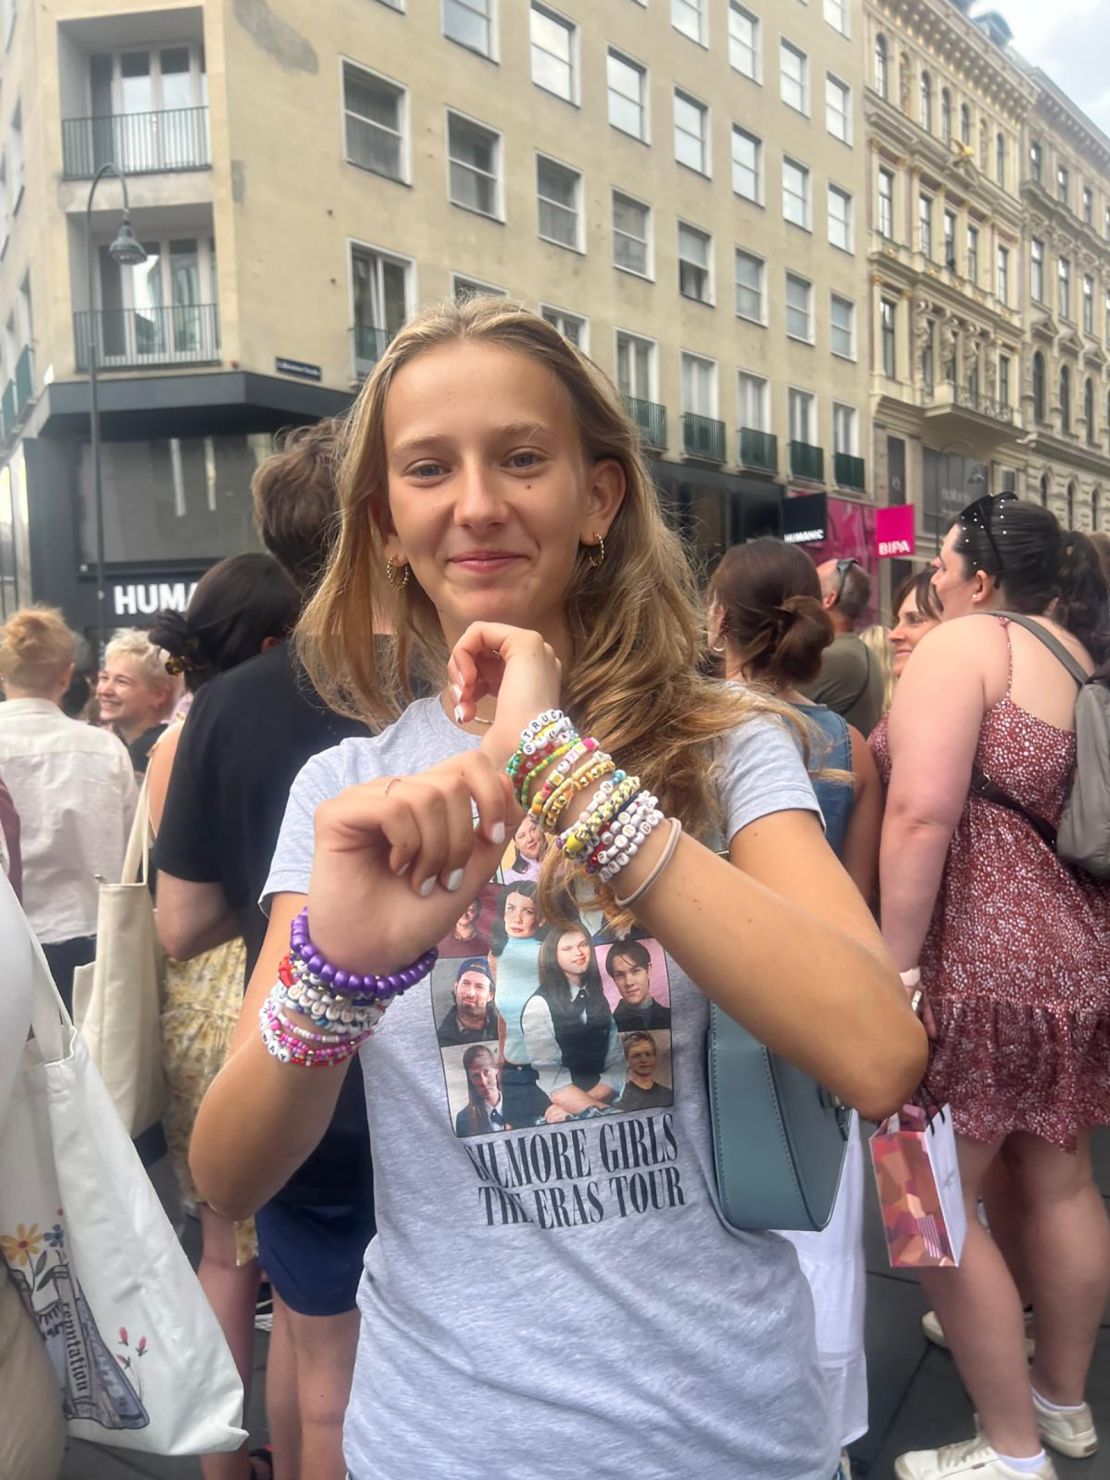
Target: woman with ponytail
767, 621
1011, 949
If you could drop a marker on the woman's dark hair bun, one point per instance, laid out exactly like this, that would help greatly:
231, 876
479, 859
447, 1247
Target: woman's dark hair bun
771, 611
171, 631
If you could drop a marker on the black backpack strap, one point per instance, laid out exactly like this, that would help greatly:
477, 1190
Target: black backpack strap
1053, 644
990, 791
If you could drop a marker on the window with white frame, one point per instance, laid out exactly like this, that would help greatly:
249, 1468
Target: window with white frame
1063, 284
631, 234
470, 23
463, 288
699, 385
754, 402
1088, 304
973, 253
381, 298
474, 155
840, 218
747, 164
838, 108
688, 16
793, 77
559, 193
950, 240
795, 193
627, 82
571, 326
801, 416
845, 429
888, 310
695, 263
374, 122
925, 224
751, 274
1036, 270
836, 13
842, 327
886, 204
1004, 389
635, 366
799, 308
554, 42
691, 132
743, 40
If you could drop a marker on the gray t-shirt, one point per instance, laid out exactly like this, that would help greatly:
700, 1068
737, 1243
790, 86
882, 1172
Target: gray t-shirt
548, 1295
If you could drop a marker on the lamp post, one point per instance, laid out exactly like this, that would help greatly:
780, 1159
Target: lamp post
127, 252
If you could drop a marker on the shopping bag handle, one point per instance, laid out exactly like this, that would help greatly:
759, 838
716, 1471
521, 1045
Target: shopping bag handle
51, 1022
136, 861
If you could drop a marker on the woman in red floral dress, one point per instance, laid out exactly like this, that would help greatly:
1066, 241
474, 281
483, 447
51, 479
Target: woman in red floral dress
1012, 948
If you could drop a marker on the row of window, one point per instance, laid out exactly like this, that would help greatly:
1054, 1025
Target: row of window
383, 300
1086, 204
474, 24
1065, 301
928, 241
1064, 394
928, 115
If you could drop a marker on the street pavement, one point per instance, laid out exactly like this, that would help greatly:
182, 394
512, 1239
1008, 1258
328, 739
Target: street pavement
917, 1399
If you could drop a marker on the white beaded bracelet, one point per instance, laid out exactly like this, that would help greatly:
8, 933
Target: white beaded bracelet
631, 845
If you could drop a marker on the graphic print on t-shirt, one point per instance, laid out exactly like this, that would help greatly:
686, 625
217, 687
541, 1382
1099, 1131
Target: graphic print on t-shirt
550, 1023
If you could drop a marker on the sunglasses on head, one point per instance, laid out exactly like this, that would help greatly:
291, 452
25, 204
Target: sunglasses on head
985, 513
842, 569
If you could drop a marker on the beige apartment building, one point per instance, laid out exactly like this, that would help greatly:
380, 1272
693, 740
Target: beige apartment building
679, 185
946, 109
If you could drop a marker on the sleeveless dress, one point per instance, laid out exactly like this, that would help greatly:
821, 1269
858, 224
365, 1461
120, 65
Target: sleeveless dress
1017, 958
832, 1260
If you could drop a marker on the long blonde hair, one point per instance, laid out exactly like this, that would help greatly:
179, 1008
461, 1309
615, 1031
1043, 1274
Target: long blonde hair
635, 623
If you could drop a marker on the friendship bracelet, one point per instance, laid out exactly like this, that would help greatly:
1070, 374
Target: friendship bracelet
288, 1048
615, 836
647, 824
660, 864
581, 838
575, 752
528, 773
350, 983
603, 766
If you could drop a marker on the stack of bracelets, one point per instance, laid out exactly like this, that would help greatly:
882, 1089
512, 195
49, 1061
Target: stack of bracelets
343, 1007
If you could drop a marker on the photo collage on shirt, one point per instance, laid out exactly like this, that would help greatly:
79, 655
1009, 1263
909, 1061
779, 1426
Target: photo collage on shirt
539, 1024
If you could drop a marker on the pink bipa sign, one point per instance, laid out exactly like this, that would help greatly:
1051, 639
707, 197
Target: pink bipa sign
894, 532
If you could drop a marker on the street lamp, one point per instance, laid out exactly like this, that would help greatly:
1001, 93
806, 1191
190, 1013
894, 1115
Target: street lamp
128, 252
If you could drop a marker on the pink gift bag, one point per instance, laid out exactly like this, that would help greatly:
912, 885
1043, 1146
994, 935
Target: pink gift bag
920, 1194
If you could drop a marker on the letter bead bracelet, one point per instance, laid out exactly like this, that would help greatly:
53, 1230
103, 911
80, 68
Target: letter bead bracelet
618, 818
311, 994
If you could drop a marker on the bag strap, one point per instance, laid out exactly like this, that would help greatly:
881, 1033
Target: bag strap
1053, 644
989, 791
49, 1017
136, 861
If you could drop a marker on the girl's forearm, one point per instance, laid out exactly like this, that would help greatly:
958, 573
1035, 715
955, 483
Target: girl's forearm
911, 865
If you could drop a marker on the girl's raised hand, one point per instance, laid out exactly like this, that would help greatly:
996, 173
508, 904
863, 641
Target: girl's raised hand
398, 860
514, 665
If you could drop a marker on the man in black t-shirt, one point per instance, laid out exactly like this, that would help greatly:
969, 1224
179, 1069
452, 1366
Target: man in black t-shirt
247, 735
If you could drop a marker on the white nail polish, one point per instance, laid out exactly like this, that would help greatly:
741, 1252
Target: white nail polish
453, 881
497, 832
427, 887
456, 689
458, 714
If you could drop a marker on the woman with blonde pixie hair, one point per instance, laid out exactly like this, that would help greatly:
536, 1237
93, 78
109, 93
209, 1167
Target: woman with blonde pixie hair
72, 786
497, 510
136, 693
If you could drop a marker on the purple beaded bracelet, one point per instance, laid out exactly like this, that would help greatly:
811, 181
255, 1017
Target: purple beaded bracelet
356, 987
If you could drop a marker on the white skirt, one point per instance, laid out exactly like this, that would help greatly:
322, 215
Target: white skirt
832, 1261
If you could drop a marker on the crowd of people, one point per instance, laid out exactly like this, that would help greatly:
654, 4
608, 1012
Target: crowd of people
445, 783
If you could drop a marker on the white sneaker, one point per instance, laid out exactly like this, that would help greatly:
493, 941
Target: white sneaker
934, 1332
973, 1457
1072, 1434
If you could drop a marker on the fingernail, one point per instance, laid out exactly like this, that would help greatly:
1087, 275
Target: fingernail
497, 832
427, 887
403, 870
456, 689
453, 881
458, 714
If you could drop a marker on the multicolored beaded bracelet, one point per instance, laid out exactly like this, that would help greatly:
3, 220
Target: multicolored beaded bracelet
560, 801
576, 752
623, 826
580, 839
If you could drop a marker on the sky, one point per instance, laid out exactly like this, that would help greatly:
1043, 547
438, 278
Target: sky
1066, 39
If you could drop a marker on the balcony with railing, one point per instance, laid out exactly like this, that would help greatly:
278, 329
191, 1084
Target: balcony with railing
131, 338
651, 418
807, 462
161, 142
703, 437
965, 402
759, 451
849, 471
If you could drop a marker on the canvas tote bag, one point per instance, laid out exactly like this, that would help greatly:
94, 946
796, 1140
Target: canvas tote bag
117, 1001
138, 1354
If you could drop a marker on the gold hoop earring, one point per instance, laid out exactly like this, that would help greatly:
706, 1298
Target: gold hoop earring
599, 545
390, 569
